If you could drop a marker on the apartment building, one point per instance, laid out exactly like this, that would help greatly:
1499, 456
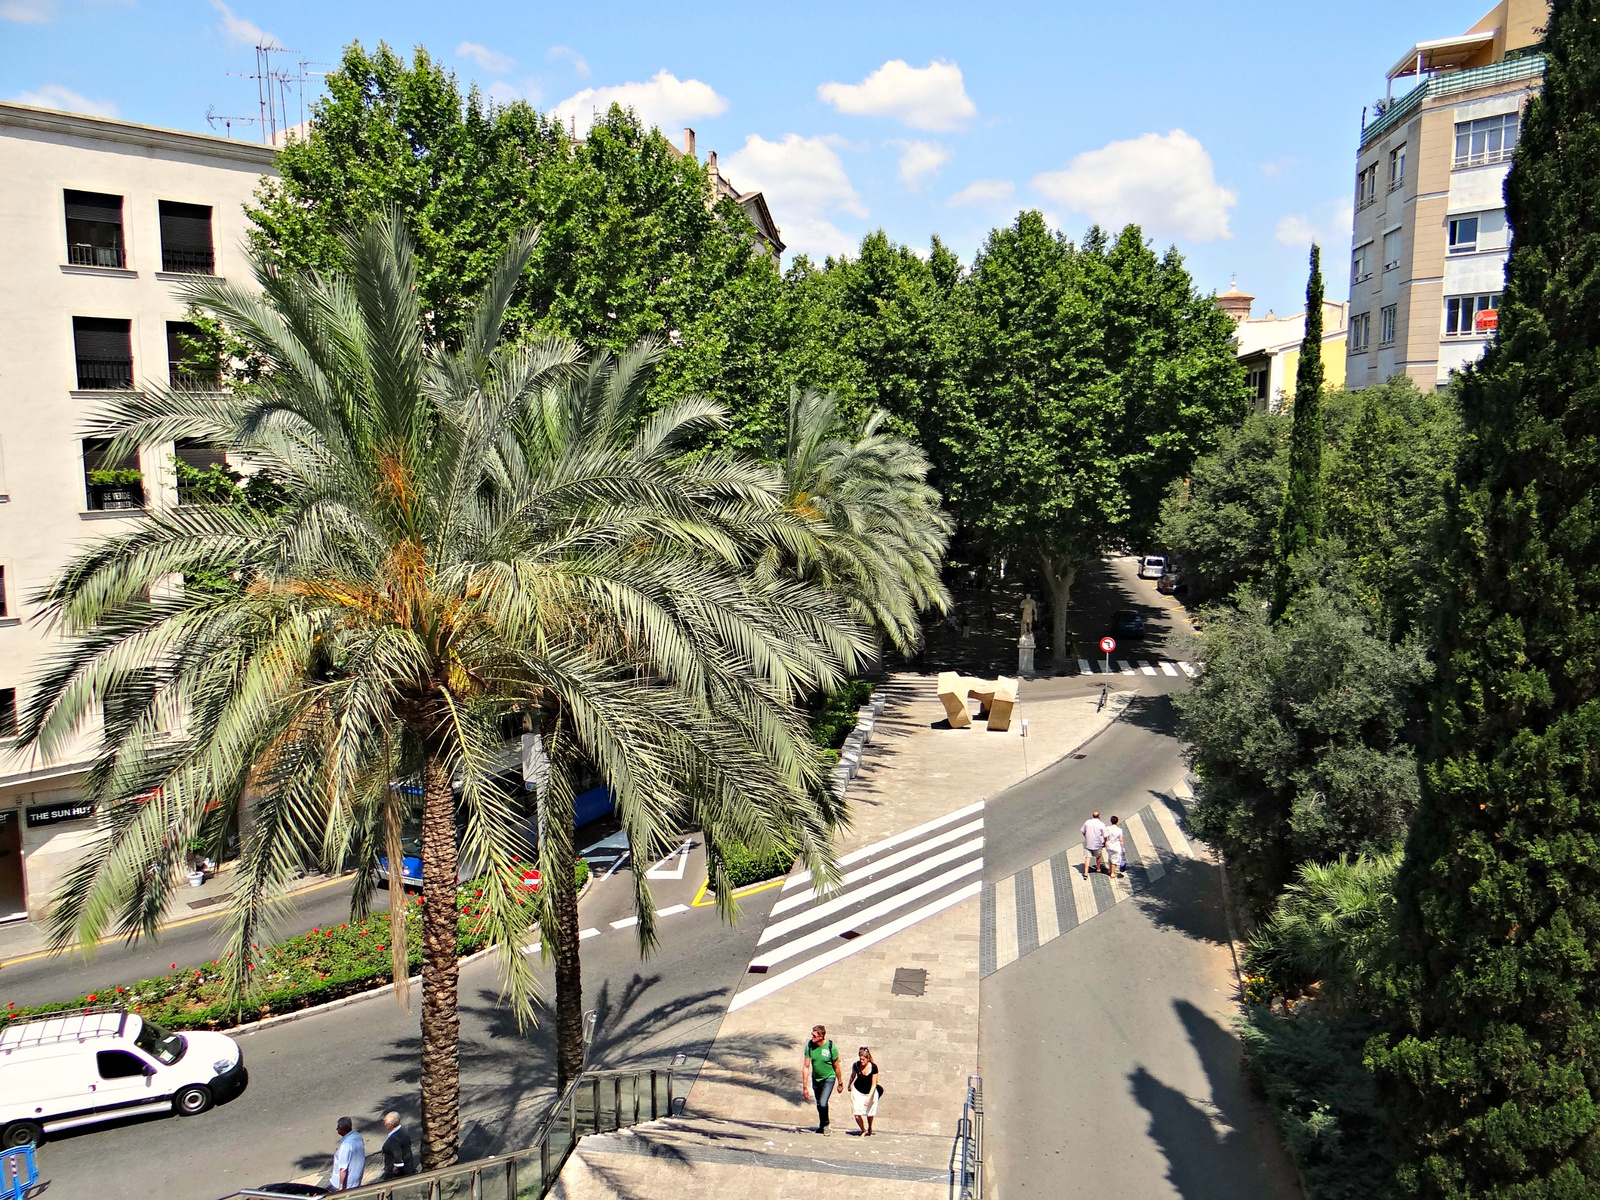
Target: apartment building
1268, 348
99, 220
1429, 249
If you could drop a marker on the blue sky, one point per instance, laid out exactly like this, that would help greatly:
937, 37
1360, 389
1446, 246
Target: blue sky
1229, 129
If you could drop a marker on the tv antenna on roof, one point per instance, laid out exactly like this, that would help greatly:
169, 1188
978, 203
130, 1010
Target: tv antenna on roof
227, 123
272, 90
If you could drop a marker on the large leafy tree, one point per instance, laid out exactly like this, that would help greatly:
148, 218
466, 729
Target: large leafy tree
440, 560
1095, 375
1495, 1082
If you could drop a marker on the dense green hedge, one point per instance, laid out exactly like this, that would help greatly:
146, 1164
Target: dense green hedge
1309, 1064
833, 720
326, 964
746, 867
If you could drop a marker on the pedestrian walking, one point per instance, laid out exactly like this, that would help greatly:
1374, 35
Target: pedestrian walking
1115, 851
821, 1071
349, 1160
866, 1085
1094, 842
399, 1158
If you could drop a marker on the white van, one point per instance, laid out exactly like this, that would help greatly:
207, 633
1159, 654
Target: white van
1152, 566
62, 1071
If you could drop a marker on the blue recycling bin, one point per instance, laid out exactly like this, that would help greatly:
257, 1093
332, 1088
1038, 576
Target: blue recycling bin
18, 1173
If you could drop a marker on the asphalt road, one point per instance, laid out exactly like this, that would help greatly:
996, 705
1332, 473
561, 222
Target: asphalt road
362, 1060
1109, 1062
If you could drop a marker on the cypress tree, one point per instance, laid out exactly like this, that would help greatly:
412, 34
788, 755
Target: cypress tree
1300, 524
1494, 1077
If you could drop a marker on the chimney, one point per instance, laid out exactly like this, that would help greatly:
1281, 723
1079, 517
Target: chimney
688, 142
711, 162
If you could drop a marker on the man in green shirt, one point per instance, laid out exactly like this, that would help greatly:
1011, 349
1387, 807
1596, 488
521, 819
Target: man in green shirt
820, 1071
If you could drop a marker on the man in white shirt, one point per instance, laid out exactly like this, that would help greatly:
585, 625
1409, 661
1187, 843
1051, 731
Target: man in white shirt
1094, 842
349, 1160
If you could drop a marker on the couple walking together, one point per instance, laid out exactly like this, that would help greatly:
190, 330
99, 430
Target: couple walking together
821, 1069
1104, 842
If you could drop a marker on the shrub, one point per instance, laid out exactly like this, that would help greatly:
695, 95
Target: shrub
835, 716
1309, 1064
745, 866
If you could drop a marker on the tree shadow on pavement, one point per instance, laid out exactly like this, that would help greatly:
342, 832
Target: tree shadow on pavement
1187, 899
1151, 712
1222, 1148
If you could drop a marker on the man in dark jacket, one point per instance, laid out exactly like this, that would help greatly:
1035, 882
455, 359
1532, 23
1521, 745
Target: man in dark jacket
399, 1159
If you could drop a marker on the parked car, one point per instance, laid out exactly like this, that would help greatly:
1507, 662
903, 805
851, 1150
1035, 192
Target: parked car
1127, 624
1171, 584
1152, 566
60, 1072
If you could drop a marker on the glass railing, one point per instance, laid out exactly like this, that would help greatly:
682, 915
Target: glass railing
597, 1102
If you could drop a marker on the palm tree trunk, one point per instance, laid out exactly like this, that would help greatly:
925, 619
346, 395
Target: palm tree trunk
441, 972
569, 969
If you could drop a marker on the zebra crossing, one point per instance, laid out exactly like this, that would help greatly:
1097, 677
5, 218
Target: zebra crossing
1139, 666
1024, 911
883, 889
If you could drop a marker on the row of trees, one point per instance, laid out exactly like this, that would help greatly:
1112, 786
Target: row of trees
1056, 387
1406, 677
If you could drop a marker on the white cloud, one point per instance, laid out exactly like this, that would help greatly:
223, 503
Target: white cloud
241, 32
1164, 182
988, 194
930, 97
1276, 167
918, 160
663, 100
53, 95
805, 184
27, 12
490, 60
502, 91
580, 65
1328, 225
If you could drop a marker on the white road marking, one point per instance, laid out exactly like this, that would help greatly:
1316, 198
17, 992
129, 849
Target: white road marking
1168, 669
587, 933
1146, 847
1044, 902
662, 871
1005, 921
865, 917
910, 835
890, 860
842, 902
672, 910
1169, 826
625, 922
1188, 670
1085, 667
1126, 667
1147, 668
839, 953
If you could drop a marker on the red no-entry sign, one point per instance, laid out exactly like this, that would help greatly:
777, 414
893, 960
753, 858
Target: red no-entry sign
1108, 644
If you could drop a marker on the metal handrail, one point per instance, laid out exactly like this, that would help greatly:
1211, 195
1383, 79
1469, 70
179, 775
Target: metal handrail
966, 1181
596, 1102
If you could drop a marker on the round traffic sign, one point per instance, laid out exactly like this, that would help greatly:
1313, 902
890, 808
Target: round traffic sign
1108, 644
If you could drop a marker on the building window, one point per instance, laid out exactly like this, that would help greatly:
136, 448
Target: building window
1397, 168
1360, 331
1471, 316
8, 712
202, 469
94, 229
1463, 234
1391, 250
1361, 263
186, 238
1257, 379
1387, 316
111, 484
1489, 140
1367, 187
5, 608
185, 352
104, 349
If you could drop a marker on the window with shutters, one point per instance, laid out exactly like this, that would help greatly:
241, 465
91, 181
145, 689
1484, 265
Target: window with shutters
186, 238
202, 469
1391, 250
186, 365
111, 483
104, 350
94, 229
8, 712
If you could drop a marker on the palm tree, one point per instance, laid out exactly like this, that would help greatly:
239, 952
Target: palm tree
883, 534
426, 576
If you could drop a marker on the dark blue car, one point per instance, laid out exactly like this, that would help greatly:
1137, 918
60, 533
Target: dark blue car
1127, 624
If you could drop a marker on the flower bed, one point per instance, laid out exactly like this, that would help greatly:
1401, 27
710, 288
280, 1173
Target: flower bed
328, 963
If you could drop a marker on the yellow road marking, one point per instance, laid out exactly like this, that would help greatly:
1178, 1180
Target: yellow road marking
211, 916
700, 901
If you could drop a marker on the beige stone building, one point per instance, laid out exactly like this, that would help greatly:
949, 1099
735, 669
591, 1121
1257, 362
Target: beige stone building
99, 219
1269, 347
1429, 249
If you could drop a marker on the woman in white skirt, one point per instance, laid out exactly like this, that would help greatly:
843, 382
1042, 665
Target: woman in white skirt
866, 1085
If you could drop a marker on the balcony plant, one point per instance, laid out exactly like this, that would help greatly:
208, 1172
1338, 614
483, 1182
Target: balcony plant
117, 487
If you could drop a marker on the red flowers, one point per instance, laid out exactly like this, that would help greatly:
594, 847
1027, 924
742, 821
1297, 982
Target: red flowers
91, 996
